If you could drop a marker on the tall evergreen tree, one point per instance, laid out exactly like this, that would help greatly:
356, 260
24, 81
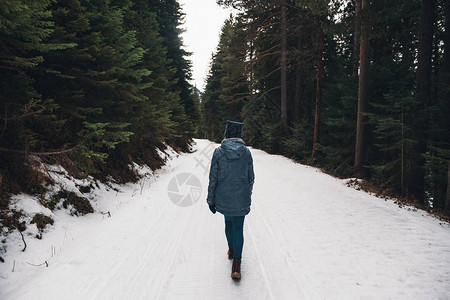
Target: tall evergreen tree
170, 18
96, 80
283, 64
423, 99
360, 150
23, 111
445, 96
227, 88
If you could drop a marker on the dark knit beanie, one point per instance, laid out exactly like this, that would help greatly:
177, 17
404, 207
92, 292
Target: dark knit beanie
233, 129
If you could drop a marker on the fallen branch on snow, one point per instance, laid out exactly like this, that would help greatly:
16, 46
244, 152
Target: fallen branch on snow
44, 263
23, 239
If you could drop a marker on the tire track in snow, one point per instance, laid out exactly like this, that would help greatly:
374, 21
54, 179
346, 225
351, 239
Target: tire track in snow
260, 209
160, 231
219, 268
119, 268
258, 259
173, 246
148, 257
287, 258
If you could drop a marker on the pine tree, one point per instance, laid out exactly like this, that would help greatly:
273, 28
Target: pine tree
95, 81
360, 149
23, 112
438, 146
227, 87
445, 96
170, 18
423, 100
391, 121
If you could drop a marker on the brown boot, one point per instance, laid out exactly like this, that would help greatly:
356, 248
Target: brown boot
236, 269
230, 253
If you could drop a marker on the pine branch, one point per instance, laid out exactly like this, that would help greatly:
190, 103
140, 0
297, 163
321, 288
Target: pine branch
269, 90
23, 115
267, 75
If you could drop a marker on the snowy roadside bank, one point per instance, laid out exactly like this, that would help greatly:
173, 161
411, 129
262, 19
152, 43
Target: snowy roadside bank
26, 255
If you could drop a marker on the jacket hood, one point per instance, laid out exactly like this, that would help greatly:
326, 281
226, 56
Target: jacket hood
233, 148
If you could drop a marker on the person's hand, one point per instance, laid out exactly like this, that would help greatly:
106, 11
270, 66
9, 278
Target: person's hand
212, 208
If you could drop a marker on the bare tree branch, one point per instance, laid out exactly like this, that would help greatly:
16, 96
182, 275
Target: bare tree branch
23, 239
37, 153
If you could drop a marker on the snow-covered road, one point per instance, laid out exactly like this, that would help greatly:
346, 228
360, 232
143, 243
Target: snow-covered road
308, 236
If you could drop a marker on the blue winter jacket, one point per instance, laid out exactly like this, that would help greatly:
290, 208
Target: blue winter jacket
231, 178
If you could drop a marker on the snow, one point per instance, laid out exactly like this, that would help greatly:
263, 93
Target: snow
308, 236
28, 204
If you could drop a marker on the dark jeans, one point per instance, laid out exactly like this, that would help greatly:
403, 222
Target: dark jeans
234, 230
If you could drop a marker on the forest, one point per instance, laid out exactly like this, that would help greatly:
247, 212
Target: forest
92, 85
357, 88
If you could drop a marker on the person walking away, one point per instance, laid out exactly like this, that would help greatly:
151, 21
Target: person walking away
231, 179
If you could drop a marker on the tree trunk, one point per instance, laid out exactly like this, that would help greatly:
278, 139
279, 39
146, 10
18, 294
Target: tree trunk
284, 117
251, 70
416, 183
318, 92
356, 38
438, 187
446, 64
402, 171
447, 198
298, 88
360, 147
446, 89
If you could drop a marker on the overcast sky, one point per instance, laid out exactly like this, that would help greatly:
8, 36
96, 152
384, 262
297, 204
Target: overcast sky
203, 21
